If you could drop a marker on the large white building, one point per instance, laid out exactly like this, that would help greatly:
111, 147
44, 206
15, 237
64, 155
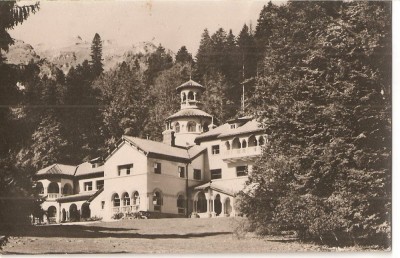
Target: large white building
198, 169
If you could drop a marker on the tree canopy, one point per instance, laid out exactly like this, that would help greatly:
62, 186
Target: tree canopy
325, 102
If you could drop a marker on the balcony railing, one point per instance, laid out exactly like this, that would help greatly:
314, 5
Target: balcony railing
242, 152
53, 195
125, 209
134, 208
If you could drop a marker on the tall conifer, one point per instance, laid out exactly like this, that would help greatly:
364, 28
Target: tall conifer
97, 53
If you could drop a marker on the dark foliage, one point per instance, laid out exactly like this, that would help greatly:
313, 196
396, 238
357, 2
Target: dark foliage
325, 101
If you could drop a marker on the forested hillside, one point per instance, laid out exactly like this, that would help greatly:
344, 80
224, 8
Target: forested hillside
316, 74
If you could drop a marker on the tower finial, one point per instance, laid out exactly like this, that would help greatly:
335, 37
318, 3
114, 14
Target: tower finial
190, 75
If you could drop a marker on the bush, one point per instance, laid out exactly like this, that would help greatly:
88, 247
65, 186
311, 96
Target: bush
117, 215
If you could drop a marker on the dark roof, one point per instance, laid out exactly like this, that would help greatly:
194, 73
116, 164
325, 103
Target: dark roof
57, 169
190, 84
189, 112
164, 150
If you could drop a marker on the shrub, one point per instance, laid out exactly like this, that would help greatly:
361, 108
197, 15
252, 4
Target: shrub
117, 215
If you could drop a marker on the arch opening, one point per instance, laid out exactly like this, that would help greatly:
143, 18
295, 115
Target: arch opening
85, 210
201, 205
53, 188
217, 205
73, 212
67, 190
191, 126
177, 127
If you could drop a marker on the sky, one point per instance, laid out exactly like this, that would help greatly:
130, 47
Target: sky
171, 23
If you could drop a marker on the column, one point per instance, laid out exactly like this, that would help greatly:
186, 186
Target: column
233, 213
59, 189
208, 206
58, 216
213, 214
223, 208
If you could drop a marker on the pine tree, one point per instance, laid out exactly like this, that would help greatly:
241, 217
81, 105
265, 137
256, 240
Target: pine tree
11, 178
126, 102
158, 61
203, 57
183, 56
96, 55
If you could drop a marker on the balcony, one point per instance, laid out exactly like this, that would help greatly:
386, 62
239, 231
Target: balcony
53, 196
242, 154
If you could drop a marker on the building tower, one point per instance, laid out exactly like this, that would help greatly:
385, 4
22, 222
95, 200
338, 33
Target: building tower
185, 125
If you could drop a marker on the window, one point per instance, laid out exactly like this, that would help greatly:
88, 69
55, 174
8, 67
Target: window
181, 171
116, 200
215, 149
190, 95
125, 168
241, 171
136, 198
88, 186
157, 168
126, 201
216, 173
191, 126
177, 127
233, 126
93, 165
181, 204
197, 174
157, 201
103, 203
99, 184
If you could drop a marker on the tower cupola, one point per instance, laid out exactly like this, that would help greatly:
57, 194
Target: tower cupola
190, 93
190, 121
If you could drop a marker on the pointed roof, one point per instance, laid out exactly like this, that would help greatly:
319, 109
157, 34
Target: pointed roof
190, 84
229, 187
57, 169
164, 151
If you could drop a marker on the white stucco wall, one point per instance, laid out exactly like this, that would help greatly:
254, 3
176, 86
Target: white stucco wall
136, 181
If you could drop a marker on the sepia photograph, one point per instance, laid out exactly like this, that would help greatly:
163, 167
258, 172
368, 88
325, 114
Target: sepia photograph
195, 127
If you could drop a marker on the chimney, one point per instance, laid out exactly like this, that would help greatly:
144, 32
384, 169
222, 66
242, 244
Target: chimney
169, 137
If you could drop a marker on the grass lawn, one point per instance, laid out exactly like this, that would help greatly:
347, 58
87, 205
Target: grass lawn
146, 236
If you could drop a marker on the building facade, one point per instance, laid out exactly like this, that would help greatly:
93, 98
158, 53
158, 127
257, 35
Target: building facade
196, 170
